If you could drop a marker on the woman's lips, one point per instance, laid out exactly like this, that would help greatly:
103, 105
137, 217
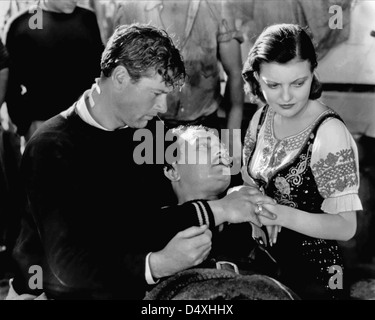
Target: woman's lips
286, 105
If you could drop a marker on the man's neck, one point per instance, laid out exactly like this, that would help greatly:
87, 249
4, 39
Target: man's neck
99, 106
182, 198
45, 6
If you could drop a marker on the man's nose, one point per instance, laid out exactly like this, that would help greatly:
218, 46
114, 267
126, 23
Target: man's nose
161, 103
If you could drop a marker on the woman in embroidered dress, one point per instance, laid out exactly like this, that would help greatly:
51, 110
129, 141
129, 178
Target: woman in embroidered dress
299, 151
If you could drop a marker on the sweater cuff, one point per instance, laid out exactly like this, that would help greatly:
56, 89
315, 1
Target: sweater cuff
204, 213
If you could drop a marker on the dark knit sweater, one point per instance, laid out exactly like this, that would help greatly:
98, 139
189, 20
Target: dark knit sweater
96, 211
55, 64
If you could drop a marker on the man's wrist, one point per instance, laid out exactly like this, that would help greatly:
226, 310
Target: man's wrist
154, 262
217, 211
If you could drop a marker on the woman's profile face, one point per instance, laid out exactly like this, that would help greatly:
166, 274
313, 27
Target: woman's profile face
286, 87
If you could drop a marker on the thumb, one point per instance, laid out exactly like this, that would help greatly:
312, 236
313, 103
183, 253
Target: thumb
193, 231
268, 200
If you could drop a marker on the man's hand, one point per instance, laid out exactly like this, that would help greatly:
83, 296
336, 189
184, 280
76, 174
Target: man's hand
186, 249
241, 204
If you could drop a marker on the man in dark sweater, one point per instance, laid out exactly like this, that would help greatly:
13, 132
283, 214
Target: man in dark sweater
93, 218
55, 50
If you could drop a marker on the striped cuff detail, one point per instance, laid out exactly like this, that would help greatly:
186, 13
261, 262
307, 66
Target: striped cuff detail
199, 213
204, 213
210, 214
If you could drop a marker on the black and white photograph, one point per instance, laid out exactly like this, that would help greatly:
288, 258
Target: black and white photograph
201, 151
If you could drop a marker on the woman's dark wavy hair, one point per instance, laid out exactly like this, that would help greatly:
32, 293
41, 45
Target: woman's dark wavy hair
143, 49
280, 43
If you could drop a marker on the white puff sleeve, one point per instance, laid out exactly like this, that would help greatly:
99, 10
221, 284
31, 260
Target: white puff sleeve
334, 163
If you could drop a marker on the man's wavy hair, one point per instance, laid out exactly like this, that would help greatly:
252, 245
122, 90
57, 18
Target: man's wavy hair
280, 43
192, 131
143, 50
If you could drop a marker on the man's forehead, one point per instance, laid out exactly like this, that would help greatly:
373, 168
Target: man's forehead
156, 83
200, 137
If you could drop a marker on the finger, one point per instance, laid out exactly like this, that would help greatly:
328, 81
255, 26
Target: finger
254, 218
265, 220
267, 214
201, 254
201, 241
270, 234
275, 233
237, 188
254, 191
193, 231
263, 199
249, 190
269, 231
208, 233
204, 255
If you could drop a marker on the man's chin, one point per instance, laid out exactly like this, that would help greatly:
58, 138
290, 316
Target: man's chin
141, 124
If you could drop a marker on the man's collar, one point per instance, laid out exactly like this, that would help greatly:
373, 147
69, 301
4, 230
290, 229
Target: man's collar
86, 102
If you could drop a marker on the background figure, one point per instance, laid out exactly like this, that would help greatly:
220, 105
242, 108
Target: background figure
4, 72
55, 51
300, 153
9, 179
205, 33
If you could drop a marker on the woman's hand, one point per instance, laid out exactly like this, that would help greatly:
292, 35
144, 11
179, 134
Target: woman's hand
273, 226
273, 232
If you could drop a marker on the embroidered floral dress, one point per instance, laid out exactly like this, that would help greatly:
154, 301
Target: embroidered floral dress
315, 171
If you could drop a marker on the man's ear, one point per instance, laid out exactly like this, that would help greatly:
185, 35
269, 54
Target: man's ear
120, 77
172, 173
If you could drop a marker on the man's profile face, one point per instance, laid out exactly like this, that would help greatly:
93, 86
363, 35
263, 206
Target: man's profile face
61, 6
204, 162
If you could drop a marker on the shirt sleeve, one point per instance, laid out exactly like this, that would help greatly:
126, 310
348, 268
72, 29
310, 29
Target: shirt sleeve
149, 279
335, 166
